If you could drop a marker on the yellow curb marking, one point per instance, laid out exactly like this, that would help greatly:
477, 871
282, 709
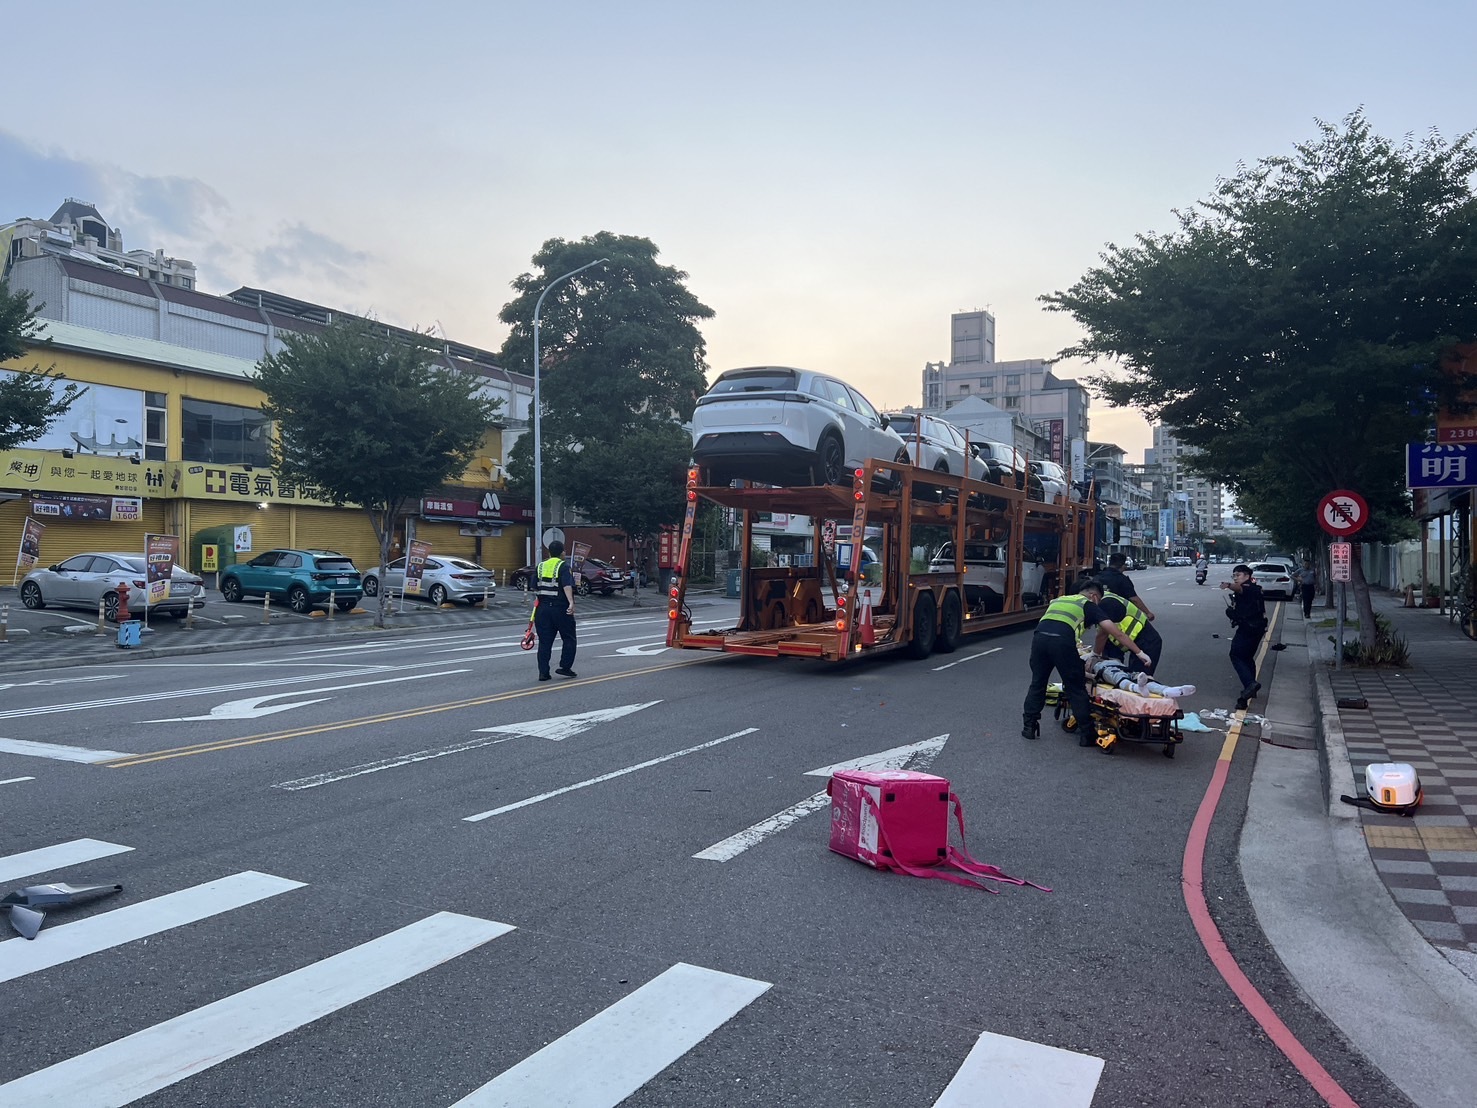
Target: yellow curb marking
1449, 838
1394, 838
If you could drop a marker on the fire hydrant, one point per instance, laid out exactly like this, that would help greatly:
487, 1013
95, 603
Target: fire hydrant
122, 591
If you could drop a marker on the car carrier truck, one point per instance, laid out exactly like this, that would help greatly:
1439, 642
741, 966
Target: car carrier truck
916, 602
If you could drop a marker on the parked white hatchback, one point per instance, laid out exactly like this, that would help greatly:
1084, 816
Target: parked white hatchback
785, 426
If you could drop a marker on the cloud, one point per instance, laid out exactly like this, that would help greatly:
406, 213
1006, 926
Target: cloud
298, 251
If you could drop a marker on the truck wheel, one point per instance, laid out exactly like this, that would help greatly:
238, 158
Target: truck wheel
925, 626
951, 625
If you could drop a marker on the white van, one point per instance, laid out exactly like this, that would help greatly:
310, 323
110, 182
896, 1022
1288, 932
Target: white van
984, 575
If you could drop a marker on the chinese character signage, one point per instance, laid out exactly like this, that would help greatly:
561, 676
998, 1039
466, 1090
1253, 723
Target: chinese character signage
248, 484
160, 554
490, 509
103, 509
415, 565
1440, 465
1460, 427
105, 476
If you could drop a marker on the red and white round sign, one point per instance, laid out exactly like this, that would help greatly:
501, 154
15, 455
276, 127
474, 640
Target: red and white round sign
1342, 513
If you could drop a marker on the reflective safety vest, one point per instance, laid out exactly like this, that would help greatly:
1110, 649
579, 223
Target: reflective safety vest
548, 579
1068, 610
1133, 620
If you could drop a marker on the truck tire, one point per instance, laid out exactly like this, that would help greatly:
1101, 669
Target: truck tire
925, 626
951, 625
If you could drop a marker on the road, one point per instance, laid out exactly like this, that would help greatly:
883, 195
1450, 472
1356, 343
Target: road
403, 873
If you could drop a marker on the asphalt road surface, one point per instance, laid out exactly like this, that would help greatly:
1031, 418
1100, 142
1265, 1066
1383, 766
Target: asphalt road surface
403, 873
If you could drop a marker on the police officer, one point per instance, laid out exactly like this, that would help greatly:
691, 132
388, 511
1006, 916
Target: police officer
1054, 647
1115, 580
555, 613
1247, 612
1133, 620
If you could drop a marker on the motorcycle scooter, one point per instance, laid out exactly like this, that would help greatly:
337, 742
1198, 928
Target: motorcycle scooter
1200, 576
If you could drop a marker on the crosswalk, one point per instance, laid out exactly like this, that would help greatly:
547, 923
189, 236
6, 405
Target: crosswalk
596, 1064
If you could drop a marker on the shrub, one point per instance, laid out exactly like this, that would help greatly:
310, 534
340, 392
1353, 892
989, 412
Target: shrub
1390, 647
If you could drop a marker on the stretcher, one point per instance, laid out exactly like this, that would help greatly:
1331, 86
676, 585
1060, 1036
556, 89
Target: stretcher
1119, 715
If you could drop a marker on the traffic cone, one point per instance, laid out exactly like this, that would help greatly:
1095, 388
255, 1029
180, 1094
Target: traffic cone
868, 632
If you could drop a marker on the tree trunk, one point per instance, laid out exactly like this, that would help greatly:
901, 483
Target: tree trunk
1365, 605
382, 519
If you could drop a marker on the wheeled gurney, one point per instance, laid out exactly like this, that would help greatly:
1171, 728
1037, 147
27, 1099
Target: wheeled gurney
1119, 715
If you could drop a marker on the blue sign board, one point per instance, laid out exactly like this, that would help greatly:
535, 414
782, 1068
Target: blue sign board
1430, 465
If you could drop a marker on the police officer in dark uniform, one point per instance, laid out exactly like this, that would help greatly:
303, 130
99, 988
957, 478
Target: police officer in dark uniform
1115, 580
1248, 614
1054, 647
555, 613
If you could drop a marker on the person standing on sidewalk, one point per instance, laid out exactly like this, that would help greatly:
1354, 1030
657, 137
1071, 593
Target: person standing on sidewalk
1054, 647
1248, 614
1307, 579
554, 614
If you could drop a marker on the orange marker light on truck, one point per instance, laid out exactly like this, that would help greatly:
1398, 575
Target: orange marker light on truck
841, 625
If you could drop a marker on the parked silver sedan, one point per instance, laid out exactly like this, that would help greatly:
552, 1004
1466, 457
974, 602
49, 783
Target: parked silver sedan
443, 579
85, 579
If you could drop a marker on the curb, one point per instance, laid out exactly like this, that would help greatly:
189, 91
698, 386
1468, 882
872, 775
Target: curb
1334, 766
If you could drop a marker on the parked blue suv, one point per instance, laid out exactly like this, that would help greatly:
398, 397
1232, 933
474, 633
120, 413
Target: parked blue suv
306, 579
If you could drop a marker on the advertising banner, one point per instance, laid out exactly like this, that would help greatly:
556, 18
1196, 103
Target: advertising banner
415, 565
102, 420
30, 551
103, 509
160, 554
577, 555
1460, 365
82, 473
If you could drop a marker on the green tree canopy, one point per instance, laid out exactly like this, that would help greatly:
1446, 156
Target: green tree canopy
371, 419
29, 403
1290, 328
623, 364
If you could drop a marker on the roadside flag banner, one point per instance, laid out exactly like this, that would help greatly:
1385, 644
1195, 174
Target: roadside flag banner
160, 554
578, 552
30, 551
415, 565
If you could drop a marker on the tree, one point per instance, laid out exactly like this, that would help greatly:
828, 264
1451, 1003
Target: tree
29, 403
368, 418
1290, 328
623, 366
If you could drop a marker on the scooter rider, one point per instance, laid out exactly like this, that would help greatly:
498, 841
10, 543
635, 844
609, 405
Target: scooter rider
1054, 647
1202, 569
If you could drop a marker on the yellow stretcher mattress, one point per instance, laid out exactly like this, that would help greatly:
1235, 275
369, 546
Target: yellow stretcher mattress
1132, 704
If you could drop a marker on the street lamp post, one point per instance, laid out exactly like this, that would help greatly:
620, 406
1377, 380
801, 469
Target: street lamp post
538, 444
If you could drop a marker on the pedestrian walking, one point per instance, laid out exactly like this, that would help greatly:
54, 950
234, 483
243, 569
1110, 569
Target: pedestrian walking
1054, 647
554, 614
1307, 585
1248, 614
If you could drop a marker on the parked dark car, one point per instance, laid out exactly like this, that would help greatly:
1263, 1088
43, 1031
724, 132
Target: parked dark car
306, 579
594, 575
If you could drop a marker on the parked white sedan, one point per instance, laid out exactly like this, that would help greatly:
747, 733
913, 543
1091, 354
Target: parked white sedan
443, 579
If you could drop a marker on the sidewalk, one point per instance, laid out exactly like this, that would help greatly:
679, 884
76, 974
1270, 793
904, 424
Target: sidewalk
1375, 916
171, 639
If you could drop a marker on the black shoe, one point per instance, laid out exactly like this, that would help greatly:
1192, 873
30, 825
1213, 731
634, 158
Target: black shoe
1241, 704
1031, 730
544, 677
562, 672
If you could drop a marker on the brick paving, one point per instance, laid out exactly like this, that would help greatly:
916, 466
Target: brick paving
1424, 714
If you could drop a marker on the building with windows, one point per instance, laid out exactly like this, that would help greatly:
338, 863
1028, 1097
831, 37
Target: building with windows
1027, 390
1199, 503
169, 436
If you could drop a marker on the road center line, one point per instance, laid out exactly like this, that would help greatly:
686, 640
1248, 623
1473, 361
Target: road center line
606, 777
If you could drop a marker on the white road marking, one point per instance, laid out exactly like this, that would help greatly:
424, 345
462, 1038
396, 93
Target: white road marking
69, 941
585, 644
58, 752
611, 1055
1181, 603
606, 776
1001, 1072
16, 780
656, 646
560, 728
48, 858
137, 1065
972, 657
919, 755
252, 707
329, 778
47, 681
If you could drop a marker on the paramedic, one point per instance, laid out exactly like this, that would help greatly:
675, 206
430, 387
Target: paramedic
555, 613
1054, 647
1132, 618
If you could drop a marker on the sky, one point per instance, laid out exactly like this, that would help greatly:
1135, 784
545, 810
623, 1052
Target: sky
835, 179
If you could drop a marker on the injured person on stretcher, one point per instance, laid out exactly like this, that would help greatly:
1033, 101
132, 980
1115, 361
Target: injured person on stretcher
1110, 671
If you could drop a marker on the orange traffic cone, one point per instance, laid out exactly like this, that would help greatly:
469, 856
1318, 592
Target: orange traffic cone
868, 632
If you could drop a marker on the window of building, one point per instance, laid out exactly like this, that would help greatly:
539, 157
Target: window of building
224, 433
963, 388
1012, 380
156, 426
1010, 401
987, 384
